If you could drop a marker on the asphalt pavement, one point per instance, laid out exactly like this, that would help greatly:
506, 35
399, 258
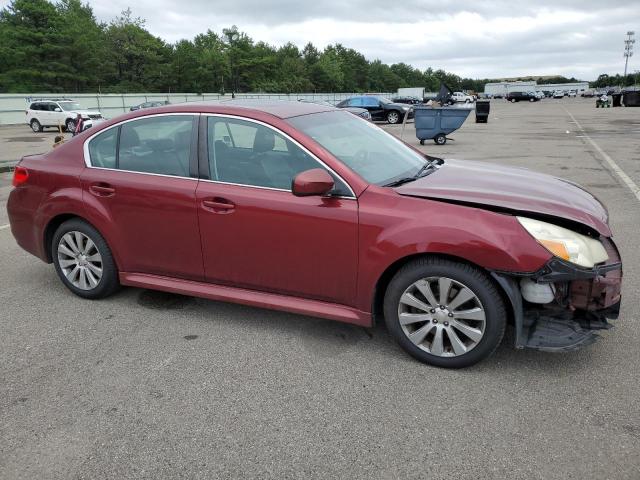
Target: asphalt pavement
152, 385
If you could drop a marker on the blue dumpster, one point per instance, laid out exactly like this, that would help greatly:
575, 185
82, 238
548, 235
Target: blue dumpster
436, 123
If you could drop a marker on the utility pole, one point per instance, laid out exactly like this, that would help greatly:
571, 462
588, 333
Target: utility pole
628, 50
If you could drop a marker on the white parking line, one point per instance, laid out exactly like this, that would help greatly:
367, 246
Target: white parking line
2, 227
613, 165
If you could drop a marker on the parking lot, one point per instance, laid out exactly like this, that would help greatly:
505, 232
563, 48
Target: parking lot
153, 385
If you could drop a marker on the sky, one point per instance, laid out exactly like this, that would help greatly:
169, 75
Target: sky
481, 39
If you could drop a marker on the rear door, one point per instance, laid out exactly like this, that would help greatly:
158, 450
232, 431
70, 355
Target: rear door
140, 190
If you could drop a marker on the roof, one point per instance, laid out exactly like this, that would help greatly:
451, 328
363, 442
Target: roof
277, 108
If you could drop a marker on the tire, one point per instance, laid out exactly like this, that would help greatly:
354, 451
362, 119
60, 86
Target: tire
421, 142
70, 125
36, 126
98, 257
484, 300
393, 117
440, 139
531, 100
466, 100
513, 100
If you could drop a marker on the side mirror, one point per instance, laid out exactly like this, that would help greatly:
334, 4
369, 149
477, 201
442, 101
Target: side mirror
58, 109
312, 182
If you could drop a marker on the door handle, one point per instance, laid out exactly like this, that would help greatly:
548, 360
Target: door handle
218, 205
102, 190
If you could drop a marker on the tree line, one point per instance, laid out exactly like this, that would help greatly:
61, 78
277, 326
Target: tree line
61, 47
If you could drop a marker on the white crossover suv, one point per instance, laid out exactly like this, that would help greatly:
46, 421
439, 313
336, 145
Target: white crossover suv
58, 112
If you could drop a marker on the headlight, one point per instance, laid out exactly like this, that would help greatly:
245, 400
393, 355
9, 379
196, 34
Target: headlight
405, 108
566, 244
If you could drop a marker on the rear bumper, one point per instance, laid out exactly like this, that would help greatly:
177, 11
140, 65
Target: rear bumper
585, 299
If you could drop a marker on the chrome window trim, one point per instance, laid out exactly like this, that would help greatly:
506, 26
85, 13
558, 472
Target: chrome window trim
87, 158
292, 140
85, 146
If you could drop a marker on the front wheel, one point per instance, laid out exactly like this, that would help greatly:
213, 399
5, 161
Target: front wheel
36, 126
513, 100
393, 117
421, 142
70, 125
444, 313
440, 139
83, 260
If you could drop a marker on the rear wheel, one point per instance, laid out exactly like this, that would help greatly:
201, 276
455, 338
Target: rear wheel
36, 126
421, 142
444, 313
532, 100
440, 139
393, 117
83, 260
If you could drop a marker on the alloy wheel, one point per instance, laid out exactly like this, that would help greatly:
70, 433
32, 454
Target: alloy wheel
80, 260
442, 316
71, 126
393, 117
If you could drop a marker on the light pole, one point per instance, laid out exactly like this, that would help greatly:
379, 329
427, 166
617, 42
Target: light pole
232, 37
628, 50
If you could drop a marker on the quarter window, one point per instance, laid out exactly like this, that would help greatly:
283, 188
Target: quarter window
102, 149
247, 153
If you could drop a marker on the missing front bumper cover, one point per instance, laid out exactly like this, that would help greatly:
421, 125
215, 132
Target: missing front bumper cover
575, 322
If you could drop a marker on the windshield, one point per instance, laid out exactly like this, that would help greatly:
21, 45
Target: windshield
372, 153
384, 100
68, 106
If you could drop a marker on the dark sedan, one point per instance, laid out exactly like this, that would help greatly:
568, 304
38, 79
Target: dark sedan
358, 112
514, 97
407, 100
149, 105
380, 108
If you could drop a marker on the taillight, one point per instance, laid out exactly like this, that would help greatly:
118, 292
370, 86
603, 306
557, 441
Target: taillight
20, 176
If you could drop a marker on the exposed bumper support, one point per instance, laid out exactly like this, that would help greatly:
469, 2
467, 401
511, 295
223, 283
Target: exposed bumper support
584, 302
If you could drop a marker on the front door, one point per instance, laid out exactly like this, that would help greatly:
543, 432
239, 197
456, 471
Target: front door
141, 184
256, 234
375, 108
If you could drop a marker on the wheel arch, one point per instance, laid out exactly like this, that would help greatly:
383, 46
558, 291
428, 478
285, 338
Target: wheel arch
53, 225
384, 280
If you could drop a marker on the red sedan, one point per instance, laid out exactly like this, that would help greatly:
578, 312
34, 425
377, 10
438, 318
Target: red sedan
304, 208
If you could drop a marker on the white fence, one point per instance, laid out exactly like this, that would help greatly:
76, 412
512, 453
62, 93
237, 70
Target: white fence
13, 105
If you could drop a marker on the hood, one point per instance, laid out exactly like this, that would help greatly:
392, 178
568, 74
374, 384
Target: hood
518, 190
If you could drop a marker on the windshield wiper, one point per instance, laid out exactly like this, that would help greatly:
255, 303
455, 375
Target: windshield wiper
418, 174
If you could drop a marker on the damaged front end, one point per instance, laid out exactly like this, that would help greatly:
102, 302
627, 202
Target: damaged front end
562, 306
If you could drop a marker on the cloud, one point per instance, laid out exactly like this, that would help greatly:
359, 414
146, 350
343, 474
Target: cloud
580, 38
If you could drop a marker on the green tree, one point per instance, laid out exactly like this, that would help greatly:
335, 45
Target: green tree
31, 47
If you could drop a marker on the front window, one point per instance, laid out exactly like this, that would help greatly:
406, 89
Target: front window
248, 153
69, 106
372, 153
